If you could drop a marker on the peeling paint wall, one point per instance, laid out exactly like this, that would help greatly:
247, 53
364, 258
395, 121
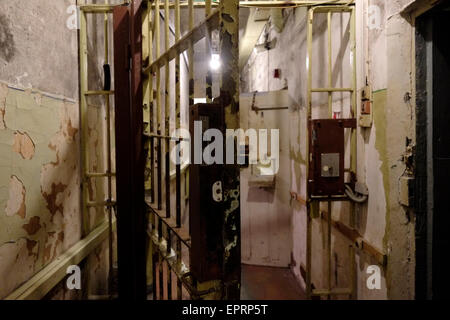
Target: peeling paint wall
40, 215
39, 184
385, 52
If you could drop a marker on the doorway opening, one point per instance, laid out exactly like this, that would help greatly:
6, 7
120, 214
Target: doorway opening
433, 152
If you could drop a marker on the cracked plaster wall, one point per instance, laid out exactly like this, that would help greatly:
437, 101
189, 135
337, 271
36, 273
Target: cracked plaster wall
40, 215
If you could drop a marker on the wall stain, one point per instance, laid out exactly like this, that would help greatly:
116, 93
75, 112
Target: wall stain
7, 44
30, 247
33, 226
3, 94
51, 198
23, 145
16, 201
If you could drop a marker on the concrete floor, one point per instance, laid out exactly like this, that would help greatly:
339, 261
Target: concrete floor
262, 283
265, 283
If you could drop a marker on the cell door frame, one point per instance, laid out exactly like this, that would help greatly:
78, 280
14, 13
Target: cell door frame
424, 155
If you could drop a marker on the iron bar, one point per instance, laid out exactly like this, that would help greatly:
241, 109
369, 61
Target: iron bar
167, 109
194, 35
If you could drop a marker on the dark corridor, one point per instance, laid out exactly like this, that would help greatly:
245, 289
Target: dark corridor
433, 165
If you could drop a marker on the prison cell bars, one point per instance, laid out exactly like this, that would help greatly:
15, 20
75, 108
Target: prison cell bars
163, 228
88, 176
313, 203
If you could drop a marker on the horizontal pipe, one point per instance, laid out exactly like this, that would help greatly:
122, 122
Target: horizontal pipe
101, 204
332, 90
267, 4
101, 8
97, 8
333, 8
270, 109
186, 4
332, 292
98, 93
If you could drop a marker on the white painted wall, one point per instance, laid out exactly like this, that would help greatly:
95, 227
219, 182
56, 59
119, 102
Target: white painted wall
385, 56
265, 212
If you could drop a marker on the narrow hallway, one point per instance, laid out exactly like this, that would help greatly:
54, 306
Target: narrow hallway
224, 149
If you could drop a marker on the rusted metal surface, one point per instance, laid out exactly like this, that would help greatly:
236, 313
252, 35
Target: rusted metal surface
327, 137
131, 230
231, 231
205, 214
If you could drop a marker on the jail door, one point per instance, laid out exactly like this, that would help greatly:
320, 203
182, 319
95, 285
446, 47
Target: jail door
198, 257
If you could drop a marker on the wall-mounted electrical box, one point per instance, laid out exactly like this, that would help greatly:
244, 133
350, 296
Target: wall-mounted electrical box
206, 200
366, 117
327, 157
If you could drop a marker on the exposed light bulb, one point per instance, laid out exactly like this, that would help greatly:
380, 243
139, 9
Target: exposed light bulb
215, 63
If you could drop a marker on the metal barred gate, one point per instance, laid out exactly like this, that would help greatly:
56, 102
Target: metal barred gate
146, 118
156, 240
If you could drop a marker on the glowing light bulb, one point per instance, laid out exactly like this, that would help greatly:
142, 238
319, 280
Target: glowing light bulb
215, 63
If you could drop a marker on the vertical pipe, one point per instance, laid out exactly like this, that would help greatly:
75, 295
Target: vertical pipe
207, 7
84, 127
84, 119
151, 107
167, 108
309, 208
354, 84
309, 61
178, 125
157, 29
147, 54
191, 72
354, 147
330, 108
177, 113
169, 269
161, 276
158, 103
179, 285
208, 55
160, 262
191, 54
329, 248
330, 67
108, 155
154, 253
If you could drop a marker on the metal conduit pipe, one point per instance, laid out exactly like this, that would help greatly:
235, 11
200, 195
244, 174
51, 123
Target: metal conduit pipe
355, 198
